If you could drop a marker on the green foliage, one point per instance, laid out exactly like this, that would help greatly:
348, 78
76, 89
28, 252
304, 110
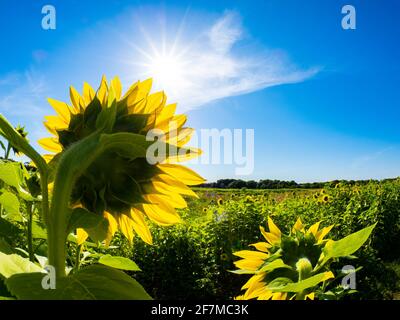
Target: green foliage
13, 264
95, 282
118, 263
193, 259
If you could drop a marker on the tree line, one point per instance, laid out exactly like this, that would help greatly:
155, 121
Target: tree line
279, 184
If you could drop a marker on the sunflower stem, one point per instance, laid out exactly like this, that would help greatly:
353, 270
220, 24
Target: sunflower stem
29, 207
69, 169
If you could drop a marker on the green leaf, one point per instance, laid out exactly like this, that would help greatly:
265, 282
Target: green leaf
8, 229
119, 262
95, 282
5, 247
300, 285
38, 230
278, 263
83, 218
11, 173
14, 175
348, 245
10, 203
130, 145
11, 264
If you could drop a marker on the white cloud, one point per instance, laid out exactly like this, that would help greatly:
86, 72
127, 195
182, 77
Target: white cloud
220, 63
21, 94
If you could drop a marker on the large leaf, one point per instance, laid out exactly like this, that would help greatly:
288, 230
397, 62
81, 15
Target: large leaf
300, 285
11, 205
278, 263
14, 175
348, 245
11, 264
119, 262
95, 282
38, 230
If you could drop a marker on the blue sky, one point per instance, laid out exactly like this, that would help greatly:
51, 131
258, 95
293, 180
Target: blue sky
323, 101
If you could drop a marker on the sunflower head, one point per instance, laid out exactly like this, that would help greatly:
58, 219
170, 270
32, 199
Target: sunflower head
288, 258
23, 133
120, 185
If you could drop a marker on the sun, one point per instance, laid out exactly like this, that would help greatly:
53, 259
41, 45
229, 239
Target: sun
168, 70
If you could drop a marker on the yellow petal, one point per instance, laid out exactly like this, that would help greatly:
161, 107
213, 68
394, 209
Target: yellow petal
310, 296
321, 234
76, 99
248, 254
181, 173
175, 199
140, 226
328, 275
165, 114
168, 185
314, 229
247, 264
267, 295
125, 224
81, 235
61, 108
48, 157
279, 296
112, 226
155, 101
50, 144
132, 88
261, 246
161, 214
270, 237
102, 91
298, 226
273, 228
88, 93
185, 154
144, 88
117, 86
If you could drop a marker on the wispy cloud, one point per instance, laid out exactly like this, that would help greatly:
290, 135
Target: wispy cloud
220, 63
365, 160
21, 94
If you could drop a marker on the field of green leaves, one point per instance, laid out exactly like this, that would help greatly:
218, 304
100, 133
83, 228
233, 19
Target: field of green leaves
192, 260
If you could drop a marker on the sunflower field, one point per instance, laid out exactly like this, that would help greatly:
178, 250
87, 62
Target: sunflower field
95, 219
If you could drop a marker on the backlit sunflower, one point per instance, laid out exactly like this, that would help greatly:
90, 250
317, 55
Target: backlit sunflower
282, 260
125, 190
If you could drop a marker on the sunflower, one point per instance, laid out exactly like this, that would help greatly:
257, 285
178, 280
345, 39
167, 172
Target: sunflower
220, 201
125, 190
291, 258
22, 132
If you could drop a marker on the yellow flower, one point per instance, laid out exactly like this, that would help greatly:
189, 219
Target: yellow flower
220, 201
125, 190
290, 257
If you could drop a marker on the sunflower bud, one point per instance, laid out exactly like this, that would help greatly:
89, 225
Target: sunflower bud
304, 268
